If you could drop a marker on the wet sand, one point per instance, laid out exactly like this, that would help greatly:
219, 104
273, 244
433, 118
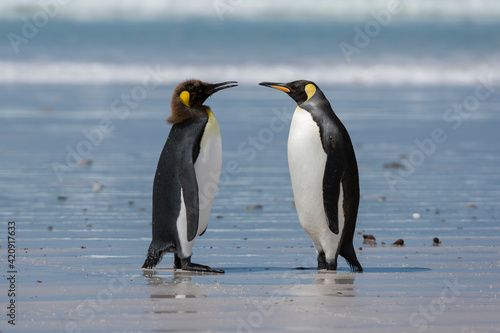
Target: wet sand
80, 247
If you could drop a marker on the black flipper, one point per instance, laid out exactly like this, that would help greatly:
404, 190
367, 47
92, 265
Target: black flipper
332, 179
189, 185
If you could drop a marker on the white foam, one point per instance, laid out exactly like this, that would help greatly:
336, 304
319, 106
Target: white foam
251, 10
446, 73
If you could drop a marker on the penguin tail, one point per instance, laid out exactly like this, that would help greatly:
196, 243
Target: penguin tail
350, 256
155, 253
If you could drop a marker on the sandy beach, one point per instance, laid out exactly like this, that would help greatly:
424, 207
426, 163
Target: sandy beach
79, 246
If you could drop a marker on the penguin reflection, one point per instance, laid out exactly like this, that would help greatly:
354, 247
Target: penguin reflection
176, 286
340, 285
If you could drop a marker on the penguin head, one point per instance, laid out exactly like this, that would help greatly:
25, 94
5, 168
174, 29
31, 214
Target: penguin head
300, 91
189, 96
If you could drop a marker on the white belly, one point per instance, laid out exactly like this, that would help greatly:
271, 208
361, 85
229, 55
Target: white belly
208, 168
306, 160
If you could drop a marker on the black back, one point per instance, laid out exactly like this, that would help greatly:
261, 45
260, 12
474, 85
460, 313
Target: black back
341, 163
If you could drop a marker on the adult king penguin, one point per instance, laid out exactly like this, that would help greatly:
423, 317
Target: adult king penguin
324, 174
187, 176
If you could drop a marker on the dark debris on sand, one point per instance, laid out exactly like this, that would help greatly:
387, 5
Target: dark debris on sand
399, 242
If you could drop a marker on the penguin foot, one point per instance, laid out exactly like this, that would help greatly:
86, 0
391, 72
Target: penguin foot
331, 265
201, 268
177, 262
324, 263
187, 265
321, 260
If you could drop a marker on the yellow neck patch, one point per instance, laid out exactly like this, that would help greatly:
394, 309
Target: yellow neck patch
310, 90
211, 129
184, 96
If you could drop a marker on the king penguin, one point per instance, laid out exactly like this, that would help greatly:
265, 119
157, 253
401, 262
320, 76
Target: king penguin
324, 174
187, 176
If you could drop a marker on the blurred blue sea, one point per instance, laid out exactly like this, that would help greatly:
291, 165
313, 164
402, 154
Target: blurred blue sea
359, 42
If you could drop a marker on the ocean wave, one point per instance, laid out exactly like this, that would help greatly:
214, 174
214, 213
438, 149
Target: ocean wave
376, 74
90, 10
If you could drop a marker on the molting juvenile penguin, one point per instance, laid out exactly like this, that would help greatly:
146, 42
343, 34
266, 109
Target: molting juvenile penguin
324, 174
187, 176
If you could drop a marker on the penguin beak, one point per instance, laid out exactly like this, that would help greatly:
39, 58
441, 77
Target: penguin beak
213, 88
279, 86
